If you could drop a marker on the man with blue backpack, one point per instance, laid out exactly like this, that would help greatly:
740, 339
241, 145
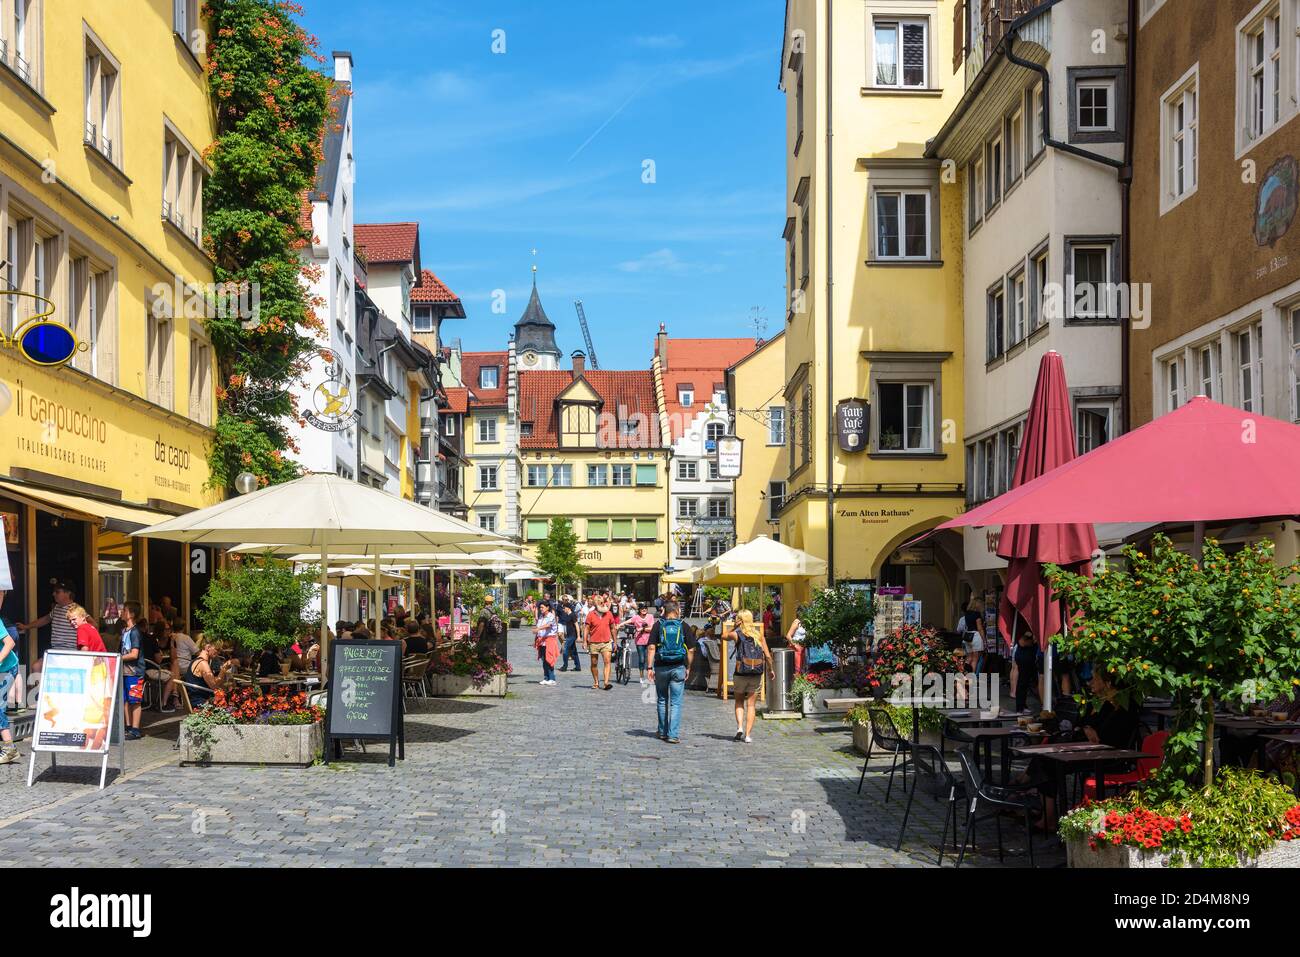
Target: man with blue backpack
669, 652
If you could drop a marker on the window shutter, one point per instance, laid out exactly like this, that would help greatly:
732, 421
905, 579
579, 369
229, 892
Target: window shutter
959, 39
647, 475
622, 529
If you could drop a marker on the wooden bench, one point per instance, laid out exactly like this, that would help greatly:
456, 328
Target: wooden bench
847, 704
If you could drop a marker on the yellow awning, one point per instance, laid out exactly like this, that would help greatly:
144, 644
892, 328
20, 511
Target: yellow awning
123, 518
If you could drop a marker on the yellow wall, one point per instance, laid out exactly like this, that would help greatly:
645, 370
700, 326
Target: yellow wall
113, 215
496, 452
753, 381
913, 308
582, 502
411, 439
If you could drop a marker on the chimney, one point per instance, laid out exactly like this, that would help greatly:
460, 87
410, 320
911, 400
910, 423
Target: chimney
661, 347
342, 66
579, 362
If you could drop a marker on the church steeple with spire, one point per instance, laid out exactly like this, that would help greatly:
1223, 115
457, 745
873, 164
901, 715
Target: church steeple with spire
535, 335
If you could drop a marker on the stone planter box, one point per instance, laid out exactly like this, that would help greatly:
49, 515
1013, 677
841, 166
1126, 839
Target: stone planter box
455, 686
861, 738
1281, 854
260, 744
815, 704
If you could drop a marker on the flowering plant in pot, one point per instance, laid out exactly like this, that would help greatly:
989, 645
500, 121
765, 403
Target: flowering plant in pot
465, 659
276, 706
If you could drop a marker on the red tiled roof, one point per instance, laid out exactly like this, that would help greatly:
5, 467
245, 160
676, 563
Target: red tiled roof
388, 242
432, 289
701, 365
457, 399
471, 363
623, 393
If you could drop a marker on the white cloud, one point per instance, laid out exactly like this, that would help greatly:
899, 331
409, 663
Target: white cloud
665, 261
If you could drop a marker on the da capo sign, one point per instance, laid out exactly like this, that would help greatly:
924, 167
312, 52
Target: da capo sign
40, 340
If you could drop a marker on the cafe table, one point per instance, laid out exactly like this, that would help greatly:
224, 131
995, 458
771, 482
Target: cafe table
985, 738
1072, 757
1258, 728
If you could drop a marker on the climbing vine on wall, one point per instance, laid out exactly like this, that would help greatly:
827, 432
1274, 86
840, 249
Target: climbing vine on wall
271, 107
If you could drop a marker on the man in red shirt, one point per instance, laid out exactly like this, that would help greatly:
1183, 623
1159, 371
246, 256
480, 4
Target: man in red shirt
601, 623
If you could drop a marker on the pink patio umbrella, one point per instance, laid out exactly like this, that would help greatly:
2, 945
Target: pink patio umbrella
1047, 443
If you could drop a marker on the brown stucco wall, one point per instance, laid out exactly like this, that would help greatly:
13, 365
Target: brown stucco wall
1201, 257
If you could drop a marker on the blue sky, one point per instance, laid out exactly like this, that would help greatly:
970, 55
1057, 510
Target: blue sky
543, 147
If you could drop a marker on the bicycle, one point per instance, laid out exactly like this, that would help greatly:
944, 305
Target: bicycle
623, 658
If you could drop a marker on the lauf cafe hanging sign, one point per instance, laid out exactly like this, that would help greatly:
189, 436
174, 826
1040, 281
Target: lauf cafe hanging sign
852, 423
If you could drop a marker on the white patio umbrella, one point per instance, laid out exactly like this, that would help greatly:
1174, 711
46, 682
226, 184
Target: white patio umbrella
524, 575
763, 561
321, 512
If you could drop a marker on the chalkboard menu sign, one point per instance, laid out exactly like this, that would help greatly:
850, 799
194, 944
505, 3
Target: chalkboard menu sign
365, 695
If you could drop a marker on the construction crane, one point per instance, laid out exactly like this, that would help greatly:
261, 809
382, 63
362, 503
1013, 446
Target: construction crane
586, 334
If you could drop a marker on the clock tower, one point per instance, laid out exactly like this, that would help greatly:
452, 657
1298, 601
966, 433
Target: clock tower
535, 335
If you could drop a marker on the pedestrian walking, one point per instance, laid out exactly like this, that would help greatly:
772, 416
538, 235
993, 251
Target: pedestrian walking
8, 673
546, 641
753, 660
643, 622
567, 617
670, 648
601, 624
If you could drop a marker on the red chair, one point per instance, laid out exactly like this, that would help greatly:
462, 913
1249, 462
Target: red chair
1152, 744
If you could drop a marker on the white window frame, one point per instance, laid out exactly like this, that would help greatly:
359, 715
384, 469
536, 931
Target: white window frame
1213, 387
775, 500
685, 397
996, 159
688, 470
102, 130
1037, 116
600, 475
995, 318
532, 471
562, 475
621, 469
1293, 320
1253, 366
688, 507
880, 23
487, 430
494, 471
902, 196
1093, 408
1261, 107
776, 425
1015, 145
1175, 382
1019, 306
1099, 310
483, 374
1181, 141
1147, 10
487, 521
1095, 83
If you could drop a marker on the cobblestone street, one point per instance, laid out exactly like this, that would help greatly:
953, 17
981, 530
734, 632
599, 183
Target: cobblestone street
562, 775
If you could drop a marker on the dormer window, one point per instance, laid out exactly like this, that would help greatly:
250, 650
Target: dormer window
423, 321
685, 396
525, 429
489, 377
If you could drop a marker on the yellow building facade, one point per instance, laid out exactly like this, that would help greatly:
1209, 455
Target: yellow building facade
878, 225
753, 385
591, 450
104, 114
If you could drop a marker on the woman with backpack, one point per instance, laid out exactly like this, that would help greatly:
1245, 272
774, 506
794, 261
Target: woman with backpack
753, 660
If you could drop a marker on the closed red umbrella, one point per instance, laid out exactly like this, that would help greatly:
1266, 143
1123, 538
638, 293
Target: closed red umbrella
1046, 444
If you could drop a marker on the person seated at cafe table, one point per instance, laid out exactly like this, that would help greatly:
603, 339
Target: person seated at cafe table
416, 643
202, 680
268, 663
1106, 723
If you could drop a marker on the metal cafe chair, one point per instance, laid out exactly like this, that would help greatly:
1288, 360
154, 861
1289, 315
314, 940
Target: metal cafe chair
993, 801
930, 772
884, 733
